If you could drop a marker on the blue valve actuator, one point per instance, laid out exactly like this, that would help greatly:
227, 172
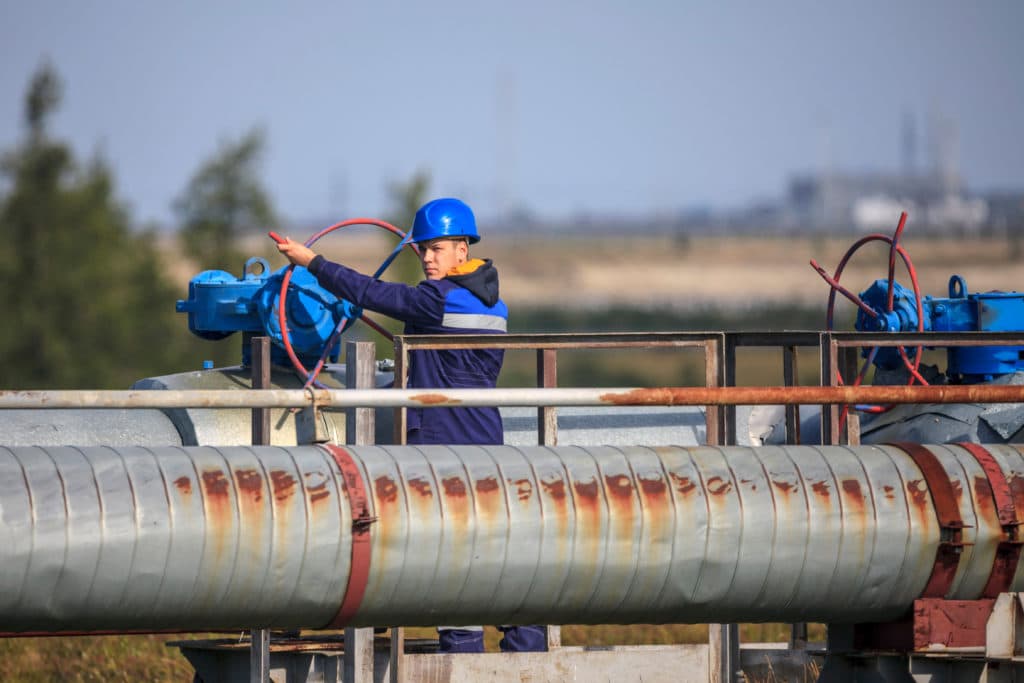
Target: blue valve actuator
960, 312
220, 304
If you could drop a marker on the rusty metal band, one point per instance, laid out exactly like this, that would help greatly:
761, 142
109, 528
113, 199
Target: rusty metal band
947, 555
1004, 567
359, 567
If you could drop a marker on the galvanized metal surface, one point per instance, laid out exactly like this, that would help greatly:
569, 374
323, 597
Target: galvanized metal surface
92, 427
607, 426
193, 538
152, 539
206, 425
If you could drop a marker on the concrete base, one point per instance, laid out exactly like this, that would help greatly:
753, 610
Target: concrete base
321, 660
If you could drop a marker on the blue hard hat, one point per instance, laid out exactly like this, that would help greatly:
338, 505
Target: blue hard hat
445, 217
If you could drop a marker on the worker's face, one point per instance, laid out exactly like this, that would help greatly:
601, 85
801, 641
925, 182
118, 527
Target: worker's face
441, 255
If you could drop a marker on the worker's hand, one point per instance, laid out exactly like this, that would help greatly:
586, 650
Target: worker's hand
296, 252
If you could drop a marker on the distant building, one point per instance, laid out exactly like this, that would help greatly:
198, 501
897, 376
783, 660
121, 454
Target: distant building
841, 202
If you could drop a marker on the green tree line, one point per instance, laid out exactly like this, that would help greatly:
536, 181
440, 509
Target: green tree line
89, 301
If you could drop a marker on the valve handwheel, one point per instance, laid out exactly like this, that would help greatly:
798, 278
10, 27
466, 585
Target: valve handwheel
885, 315
350, 313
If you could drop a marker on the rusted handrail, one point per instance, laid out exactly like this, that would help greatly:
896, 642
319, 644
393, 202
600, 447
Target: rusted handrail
427, 398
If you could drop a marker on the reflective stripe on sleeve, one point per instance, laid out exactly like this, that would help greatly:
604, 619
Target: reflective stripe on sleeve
475, 321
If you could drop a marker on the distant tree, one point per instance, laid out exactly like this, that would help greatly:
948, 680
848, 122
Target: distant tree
87, 305
224, 199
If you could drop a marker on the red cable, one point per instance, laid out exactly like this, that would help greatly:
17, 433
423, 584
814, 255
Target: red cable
310, 377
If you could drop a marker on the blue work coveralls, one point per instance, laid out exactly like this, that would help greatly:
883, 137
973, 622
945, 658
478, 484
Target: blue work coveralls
466, 301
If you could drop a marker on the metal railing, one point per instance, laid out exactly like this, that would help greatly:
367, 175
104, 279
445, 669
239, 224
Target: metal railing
719, 396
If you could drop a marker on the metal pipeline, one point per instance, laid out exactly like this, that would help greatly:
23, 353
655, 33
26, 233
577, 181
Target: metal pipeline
132, 538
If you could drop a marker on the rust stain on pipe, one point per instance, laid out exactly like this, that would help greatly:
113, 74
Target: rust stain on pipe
784, 487
454, 487
184, 485
854, 496
555, 488
683, 484
283, 485
215, 485
653, 488
523, 488
421, 486
386, 489
717, 486
433, 399
586, 491
486, 485
619, 486
251, 483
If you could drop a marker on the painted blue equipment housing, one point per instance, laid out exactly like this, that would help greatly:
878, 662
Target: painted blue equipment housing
219, 304
960, 312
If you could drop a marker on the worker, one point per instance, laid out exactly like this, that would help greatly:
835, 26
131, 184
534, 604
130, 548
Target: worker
458, 296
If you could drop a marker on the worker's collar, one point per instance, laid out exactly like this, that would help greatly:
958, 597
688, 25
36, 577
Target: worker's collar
466, 268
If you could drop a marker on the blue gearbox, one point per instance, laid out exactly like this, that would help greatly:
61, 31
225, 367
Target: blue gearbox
960, 312
219, 304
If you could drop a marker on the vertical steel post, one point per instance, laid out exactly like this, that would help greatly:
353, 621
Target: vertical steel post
829, 368
397, 653
729, 371
719, 365
848, 365
401, 368
547, 435
360, 366
259, 655
259, 644
547, 416
714, 376
260, 351
791, 378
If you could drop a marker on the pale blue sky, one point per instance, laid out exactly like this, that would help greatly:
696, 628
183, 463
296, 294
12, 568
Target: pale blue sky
597, 106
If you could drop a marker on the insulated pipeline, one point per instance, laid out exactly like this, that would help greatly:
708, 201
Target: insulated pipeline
132, 538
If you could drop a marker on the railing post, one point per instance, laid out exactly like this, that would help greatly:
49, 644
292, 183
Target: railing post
729, 380
719, 364
547, 435
401, 368
847, 360
791, 378
714, 376
829, 369
360, 372
547, 416
259, 643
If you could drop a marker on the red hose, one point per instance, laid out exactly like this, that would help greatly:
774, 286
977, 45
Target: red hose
309, 377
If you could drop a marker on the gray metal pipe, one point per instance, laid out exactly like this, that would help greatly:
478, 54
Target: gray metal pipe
425, 398
131, 538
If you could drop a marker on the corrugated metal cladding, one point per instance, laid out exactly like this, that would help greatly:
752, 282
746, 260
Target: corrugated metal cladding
203, 538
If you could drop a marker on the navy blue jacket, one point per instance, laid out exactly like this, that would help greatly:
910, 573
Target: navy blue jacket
464, 302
